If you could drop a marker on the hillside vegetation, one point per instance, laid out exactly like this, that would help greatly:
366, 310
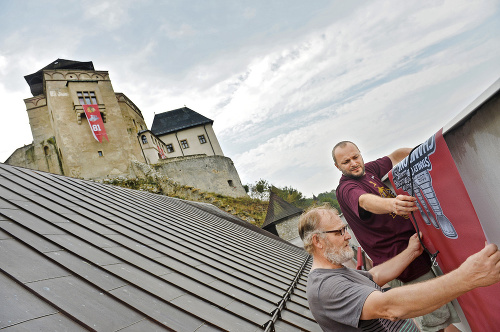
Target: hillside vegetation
249, 209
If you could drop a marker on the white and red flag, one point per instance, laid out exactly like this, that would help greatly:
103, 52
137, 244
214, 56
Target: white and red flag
161, 152
95, 122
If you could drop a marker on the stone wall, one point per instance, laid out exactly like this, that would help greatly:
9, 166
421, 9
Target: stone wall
24, 157
215, 174
288, 229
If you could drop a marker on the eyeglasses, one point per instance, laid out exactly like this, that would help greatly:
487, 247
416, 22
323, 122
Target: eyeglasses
337, 231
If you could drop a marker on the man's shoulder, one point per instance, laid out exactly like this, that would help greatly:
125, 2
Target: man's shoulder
380, 162
346, 272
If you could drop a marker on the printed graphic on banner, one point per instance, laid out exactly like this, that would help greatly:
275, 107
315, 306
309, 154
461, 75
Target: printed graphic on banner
427, 202
95, 122
161, 152
448, 221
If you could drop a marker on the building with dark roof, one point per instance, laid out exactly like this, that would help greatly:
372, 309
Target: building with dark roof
282, 219
82, 128
186, 132
77, 255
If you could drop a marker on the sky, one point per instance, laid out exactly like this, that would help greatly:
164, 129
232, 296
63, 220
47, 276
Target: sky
283, 80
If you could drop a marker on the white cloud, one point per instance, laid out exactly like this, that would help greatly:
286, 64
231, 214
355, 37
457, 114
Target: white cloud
280, 100
110, 14
177, 32
249, 13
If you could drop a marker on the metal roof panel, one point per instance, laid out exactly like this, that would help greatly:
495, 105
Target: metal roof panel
18, 304
19, 261
142, 260
163, 312
86, 303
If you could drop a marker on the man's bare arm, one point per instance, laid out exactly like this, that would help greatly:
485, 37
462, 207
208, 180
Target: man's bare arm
400, 205
479, 270
399, 155
391, 269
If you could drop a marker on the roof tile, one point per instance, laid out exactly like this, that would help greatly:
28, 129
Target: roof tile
175, 120
93, 256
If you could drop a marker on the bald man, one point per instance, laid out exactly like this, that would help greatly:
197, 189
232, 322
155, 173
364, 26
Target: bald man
380, 220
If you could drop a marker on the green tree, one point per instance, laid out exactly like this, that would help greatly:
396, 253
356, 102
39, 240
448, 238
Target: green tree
330, 197
259, 189
292, 196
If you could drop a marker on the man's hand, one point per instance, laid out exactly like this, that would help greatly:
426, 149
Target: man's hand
414, 246
483, 268
403, 205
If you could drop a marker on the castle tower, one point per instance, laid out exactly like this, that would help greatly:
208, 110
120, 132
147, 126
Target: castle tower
64, 141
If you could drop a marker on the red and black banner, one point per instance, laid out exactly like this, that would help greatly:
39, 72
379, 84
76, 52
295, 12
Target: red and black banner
448, 221
161, 152
95, 121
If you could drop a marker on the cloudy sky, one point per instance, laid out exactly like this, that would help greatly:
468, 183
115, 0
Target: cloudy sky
283, 80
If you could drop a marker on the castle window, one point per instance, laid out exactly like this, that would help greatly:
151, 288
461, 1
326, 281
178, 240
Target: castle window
144, 139
46, 150
99, 153
87, 97
230, 183
202, 139
170, 148
184, 144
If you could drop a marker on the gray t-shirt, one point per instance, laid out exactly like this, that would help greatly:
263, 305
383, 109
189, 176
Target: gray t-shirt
336, 298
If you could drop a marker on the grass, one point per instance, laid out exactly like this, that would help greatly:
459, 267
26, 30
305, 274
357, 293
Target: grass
252, 210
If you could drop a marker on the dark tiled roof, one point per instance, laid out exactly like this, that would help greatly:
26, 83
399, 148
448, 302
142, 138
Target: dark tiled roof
79, 255
175, 120
35, 80
279, 209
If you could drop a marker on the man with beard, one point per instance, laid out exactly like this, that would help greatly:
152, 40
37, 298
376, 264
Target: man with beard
343, 299
380, 220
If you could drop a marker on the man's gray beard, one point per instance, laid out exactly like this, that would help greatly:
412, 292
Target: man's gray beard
338, 256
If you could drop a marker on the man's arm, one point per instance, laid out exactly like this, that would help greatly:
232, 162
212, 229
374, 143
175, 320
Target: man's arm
400, 205
391, 269
479, 270
399, 155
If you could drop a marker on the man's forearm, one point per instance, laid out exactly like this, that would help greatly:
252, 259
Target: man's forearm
415, 300
391, 269
375, 204
479, 270
420, 299
400, 205
399, 155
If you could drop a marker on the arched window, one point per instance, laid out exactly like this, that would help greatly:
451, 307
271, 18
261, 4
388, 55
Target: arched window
144, 139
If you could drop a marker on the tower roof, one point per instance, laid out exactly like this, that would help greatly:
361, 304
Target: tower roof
278, 209
35, 80
178, 119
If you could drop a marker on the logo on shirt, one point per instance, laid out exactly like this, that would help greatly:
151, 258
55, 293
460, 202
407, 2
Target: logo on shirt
386, 193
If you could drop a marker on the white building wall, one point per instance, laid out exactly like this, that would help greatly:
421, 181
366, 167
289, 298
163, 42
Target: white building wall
210, 148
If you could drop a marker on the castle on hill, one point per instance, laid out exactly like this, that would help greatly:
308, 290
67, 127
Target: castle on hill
82, 128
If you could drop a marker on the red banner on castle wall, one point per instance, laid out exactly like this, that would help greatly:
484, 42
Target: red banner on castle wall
95, 122
448, 221
161, 152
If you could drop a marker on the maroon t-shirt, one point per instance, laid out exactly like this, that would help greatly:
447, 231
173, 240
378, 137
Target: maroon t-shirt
382, 236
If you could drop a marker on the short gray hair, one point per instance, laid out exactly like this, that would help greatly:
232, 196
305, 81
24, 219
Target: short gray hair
309, 223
